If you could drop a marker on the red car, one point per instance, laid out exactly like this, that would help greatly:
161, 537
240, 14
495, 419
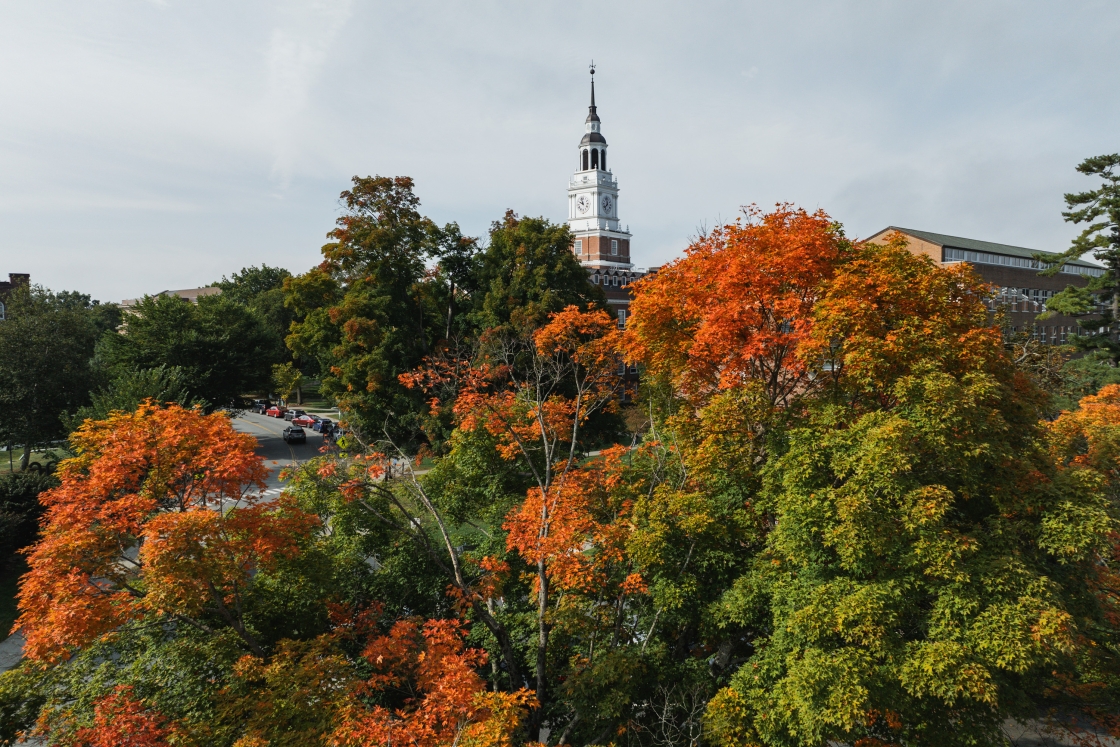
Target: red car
276, 411
305, 421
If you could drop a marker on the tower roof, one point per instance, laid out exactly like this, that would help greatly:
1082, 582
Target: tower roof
591, 115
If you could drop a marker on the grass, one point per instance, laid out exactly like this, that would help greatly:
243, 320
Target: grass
9, 580
37, 457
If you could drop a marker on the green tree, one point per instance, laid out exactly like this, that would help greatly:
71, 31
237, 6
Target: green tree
367, 314
261, 289
222, 349
46, 348
527, 272
20, 511
286, 380
1098, 303
128, 388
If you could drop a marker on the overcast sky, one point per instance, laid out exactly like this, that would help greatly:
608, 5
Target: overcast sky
147, 144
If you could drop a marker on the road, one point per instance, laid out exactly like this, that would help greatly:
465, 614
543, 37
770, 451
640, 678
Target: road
270, 445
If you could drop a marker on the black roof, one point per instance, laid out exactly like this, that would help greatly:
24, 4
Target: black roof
593, 137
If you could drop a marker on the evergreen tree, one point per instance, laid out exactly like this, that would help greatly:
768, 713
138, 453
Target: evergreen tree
1099, 302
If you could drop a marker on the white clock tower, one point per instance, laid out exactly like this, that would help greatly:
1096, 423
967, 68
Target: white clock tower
600, 243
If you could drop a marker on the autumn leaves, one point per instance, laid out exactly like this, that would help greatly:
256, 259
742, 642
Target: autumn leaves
842, 521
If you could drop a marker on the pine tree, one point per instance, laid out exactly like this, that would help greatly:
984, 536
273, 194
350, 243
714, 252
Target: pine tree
1100, 299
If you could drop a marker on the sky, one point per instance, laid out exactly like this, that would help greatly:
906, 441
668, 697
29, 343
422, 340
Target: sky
156, 144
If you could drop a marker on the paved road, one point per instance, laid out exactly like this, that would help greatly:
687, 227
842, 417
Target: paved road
276, 454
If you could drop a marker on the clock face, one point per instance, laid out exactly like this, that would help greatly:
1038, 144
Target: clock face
607, 204
583, 204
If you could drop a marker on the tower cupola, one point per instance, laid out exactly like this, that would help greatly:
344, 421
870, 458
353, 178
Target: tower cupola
593, 146
599, 240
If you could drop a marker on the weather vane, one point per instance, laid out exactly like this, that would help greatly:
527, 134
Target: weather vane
593, 67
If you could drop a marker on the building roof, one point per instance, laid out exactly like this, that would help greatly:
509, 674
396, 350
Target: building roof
187, 294
974, 245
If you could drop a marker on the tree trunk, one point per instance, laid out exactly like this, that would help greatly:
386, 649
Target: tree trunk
25, 460
450, 311
542, 647
299, 395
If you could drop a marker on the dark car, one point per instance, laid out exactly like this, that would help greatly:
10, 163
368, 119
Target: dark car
293, 414
323, 425
293, 434
260, 406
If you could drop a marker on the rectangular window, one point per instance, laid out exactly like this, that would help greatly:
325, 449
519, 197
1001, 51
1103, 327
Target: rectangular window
595, 279
614, 281
622, 318
633, 368
579, 246
614, 246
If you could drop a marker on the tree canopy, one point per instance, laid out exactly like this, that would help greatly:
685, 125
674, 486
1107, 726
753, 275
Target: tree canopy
1098, 303
46, 362
221, 348
394, 287
851, 517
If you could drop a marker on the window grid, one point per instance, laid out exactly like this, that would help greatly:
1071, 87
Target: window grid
985, 258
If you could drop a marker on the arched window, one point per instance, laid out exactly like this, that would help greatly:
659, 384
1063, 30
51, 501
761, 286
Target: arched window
603, 159
594, 158
585, 159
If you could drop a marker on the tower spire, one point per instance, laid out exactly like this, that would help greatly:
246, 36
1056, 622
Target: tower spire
591, 115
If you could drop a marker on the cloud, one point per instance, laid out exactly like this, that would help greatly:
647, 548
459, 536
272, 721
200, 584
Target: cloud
298, 47
146, 146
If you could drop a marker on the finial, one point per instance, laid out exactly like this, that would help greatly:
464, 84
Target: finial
592, 67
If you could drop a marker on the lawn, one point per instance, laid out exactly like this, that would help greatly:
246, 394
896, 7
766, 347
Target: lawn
9, 460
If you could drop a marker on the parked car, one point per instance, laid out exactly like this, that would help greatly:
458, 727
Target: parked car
305, 421
293, 434
293, 414
260, 406
276, 411
323, 425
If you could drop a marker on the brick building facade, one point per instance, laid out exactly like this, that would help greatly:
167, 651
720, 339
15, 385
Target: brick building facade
1014, 273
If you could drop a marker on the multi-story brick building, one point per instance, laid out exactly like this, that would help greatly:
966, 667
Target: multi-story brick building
1014, 273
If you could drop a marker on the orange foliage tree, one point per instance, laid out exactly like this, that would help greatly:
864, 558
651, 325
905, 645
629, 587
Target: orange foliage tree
886, 309
534, 392
155, 514
738, 306
121, 720
442, 699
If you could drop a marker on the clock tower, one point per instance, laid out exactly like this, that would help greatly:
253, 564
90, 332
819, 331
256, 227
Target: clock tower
600, 243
